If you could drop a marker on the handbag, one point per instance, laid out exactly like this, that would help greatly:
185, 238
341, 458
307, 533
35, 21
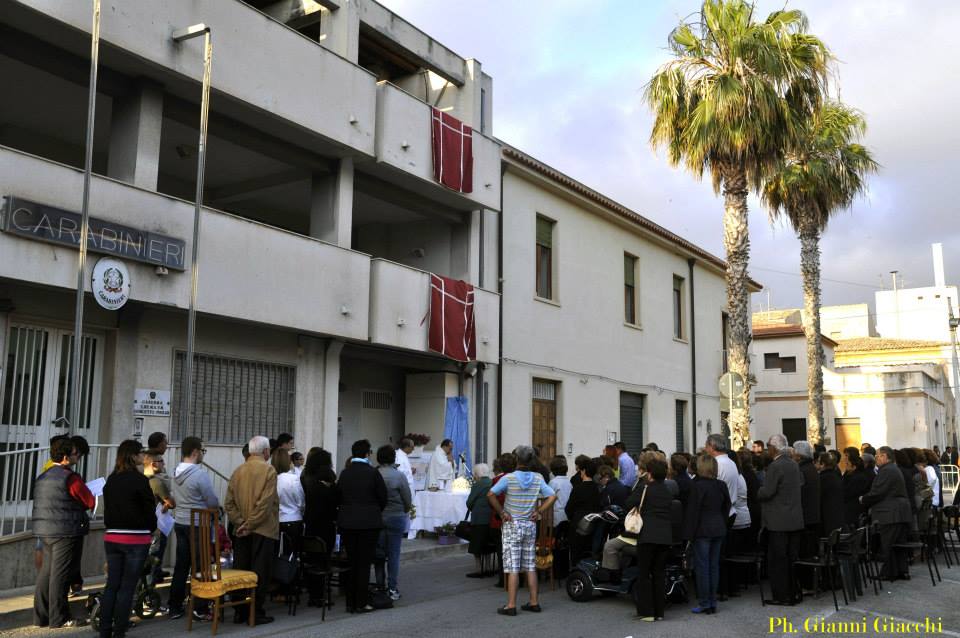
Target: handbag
464, 528
285, 565
633, 522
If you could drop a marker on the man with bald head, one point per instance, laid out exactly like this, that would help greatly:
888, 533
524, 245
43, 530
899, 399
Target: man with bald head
783, 518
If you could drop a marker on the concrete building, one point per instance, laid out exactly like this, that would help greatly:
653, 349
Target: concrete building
322, 220
874, 390
613, 326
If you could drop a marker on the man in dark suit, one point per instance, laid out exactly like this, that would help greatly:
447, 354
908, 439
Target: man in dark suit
890, 508
783, 519
831, 495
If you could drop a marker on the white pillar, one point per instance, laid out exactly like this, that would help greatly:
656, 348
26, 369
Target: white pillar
469, 96
340, 30
331, 398
308, 430
331, 205
135, 130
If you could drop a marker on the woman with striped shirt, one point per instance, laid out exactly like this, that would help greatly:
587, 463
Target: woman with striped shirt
130, 519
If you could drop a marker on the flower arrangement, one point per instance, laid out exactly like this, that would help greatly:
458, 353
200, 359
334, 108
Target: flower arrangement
447, 529
461, 484
418, 439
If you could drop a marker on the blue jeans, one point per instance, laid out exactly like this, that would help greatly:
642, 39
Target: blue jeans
389, 549
124, 564
157, 550
181, 569
706, 564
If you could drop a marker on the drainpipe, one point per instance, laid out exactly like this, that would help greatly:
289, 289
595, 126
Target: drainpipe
693, 358
503, 170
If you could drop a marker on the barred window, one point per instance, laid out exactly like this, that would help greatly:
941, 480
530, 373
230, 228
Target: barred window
234, 399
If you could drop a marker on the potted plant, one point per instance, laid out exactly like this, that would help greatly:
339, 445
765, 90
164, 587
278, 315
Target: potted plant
419, 440
445, 534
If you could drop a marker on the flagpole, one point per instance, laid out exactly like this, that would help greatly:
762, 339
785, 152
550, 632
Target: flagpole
187, 377
75, 372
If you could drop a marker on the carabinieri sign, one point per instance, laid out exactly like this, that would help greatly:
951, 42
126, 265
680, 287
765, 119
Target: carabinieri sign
55, 225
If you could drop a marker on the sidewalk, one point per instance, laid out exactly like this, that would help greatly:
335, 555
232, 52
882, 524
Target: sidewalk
16, 606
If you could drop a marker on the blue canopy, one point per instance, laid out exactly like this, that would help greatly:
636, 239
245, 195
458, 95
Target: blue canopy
457, 428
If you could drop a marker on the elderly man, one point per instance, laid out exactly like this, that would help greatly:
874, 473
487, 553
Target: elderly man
780, 496
519, 513
890, 508
253, 506
809, 498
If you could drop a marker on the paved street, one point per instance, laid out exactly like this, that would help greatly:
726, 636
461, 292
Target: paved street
438, 602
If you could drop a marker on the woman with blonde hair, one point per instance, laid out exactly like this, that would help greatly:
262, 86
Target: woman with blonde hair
705, 525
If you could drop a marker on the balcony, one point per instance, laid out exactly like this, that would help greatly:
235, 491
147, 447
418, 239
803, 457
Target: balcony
400, 299
404, 147
248, 270
296, 79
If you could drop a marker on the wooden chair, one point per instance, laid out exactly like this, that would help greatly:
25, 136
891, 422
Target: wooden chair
544, 547
207, 579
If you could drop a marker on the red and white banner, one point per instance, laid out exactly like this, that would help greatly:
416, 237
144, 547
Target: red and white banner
452, 151
452, 330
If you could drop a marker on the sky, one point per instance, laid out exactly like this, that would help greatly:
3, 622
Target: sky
568, 80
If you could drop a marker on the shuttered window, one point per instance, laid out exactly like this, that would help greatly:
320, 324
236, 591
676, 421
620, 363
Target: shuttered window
681, 425
630, 289
631, 420
234, 399
544, 257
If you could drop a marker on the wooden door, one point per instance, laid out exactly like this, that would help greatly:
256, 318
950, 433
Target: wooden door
545, 429
848, 434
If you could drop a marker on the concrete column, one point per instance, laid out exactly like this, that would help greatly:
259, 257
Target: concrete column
469, 95
340, 30
331, 398
120, 374
331, 205
135, 136
465, 249
310, 392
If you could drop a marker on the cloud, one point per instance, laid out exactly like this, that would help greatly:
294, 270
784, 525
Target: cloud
568, 82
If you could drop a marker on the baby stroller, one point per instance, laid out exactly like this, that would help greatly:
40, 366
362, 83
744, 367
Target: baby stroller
146, 598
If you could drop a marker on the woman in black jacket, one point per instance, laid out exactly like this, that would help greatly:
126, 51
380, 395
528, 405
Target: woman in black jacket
831, 495
130, 520
319, 483
654, 540
705, 524
584, 499
361, 495
856, 483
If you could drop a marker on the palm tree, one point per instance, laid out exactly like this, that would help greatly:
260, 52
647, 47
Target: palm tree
730, 102
823, 174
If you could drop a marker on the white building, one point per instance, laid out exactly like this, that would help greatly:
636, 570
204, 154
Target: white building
322, 218
873, 390
613, 326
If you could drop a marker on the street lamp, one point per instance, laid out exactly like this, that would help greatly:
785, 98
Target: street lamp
182, 35
74, 392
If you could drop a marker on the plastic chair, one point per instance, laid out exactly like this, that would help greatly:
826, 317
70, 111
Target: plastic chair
825, 560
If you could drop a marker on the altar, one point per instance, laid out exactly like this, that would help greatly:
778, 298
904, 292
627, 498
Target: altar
436, 508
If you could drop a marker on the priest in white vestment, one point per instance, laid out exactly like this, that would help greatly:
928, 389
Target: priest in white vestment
440, 473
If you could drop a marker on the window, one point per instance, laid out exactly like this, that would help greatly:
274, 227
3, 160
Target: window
545, 236
631, 420
630, 289
679, 306
794, 429
773, 361
725, 336
681, 425
233, 399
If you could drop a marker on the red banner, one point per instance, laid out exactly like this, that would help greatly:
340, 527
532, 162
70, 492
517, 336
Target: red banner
452, 152
452, 330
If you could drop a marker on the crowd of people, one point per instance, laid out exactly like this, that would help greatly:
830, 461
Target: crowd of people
774, 498
718, 501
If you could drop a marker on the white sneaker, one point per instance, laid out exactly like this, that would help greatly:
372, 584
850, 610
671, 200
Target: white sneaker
394, 594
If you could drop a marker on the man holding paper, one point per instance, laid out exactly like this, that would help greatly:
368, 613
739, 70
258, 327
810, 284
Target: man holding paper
60, 521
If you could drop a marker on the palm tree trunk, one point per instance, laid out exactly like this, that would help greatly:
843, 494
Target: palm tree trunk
810, 270
736, 241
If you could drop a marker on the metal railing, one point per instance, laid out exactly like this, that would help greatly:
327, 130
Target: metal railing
19, 469
949, 480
